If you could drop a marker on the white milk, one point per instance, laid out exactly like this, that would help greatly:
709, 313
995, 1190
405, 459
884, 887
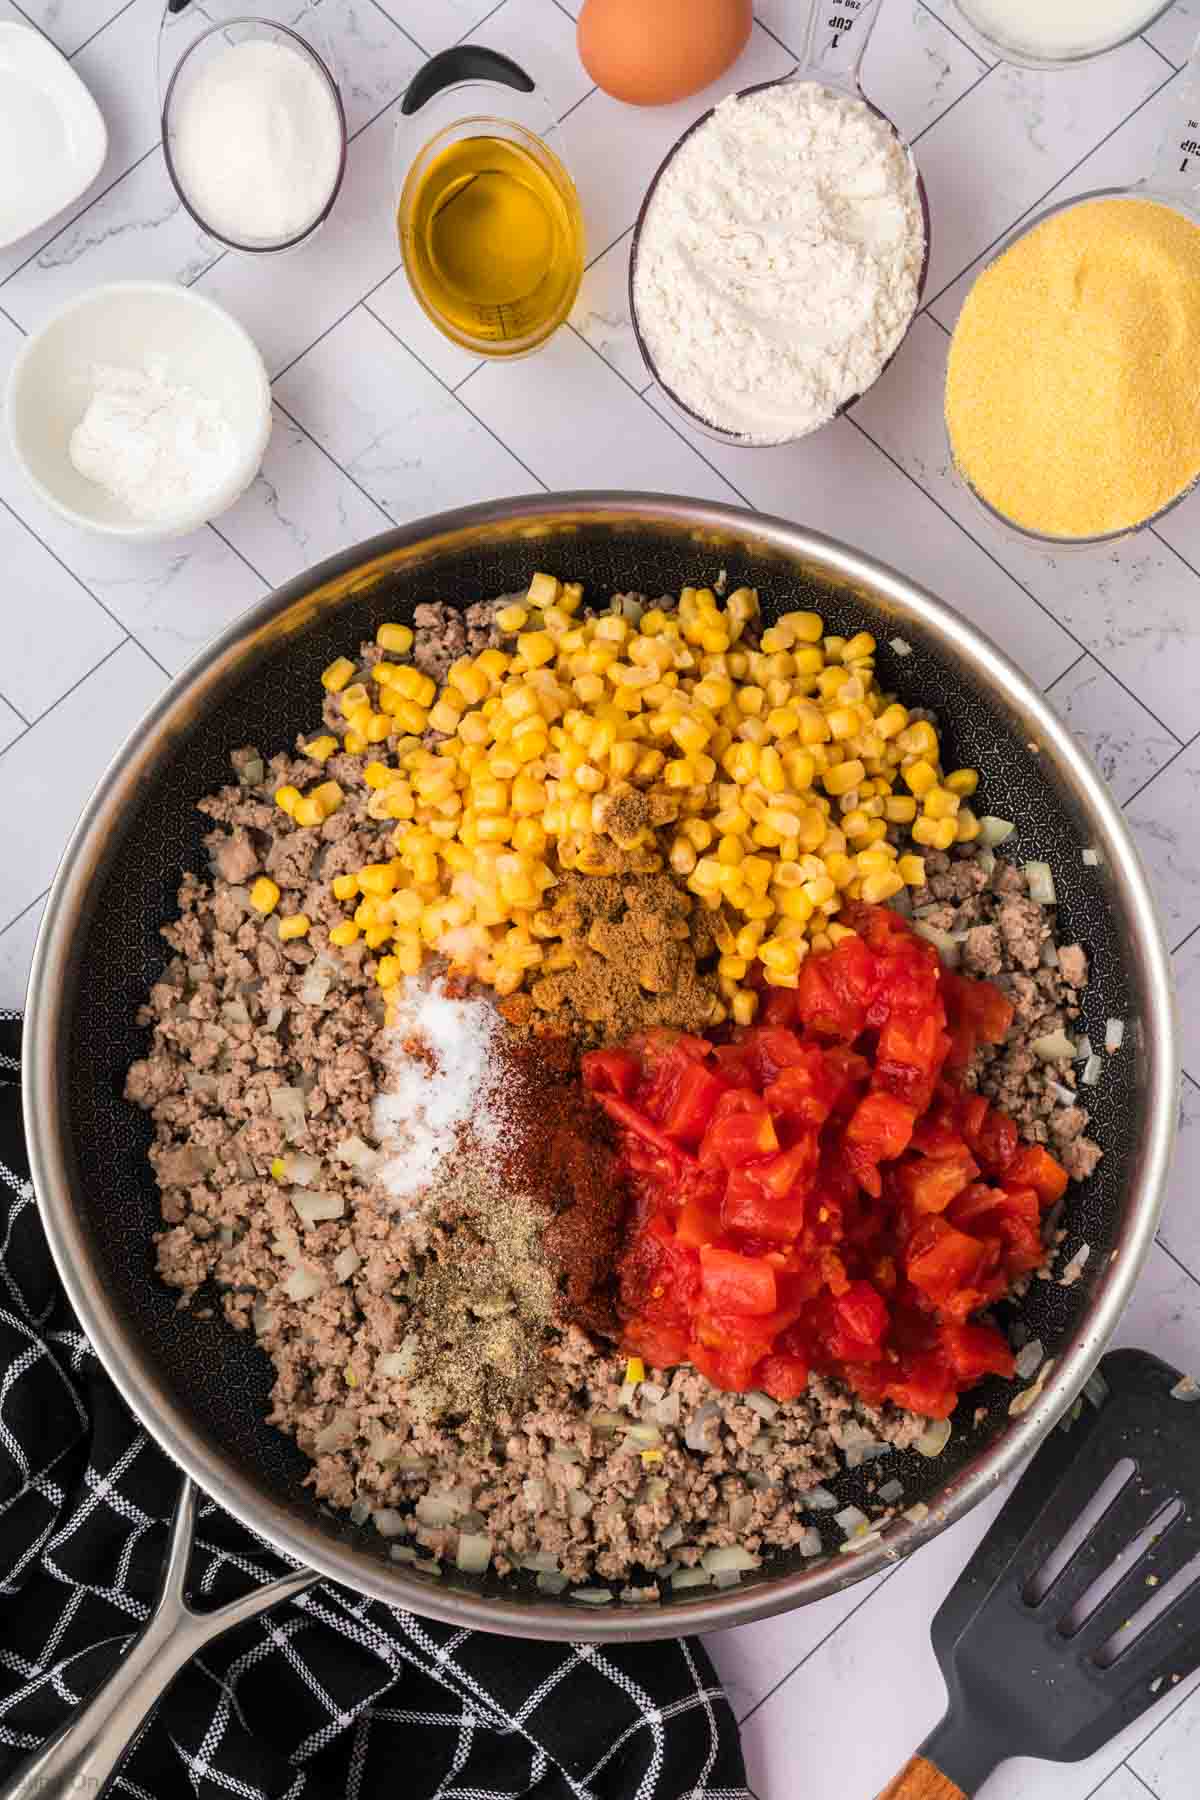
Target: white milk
1058, 28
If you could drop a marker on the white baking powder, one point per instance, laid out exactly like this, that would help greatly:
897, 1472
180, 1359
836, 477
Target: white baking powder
779, 260
256, 142
158, 449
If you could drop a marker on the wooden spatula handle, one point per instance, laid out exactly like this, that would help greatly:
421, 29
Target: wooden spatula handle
922, 1780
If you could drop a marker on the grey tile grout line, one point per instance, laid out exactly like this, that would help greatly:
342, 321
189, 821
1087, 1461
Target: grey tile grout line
967, 91
600, 254
242, 558
1043, 197
1168, 545
330, 457
340, 320
1125, 1765
17, 917
1191, 1081
775, 38
576, 104
1015, 579
14, 709
67, 692
661, 417
1143, 39
402, 29
820, 1645
79, 582
455, 395
1184, 942
1179, 1264
101, 28
1082, 658
1173, 758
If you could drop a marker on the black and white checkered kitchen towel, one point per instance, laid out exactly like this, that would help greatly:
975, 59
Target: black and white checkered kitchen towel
329, 1696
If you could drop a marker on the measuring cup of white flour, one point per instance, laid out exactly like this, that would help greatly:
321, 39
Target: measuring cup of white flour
781, 251
253, 127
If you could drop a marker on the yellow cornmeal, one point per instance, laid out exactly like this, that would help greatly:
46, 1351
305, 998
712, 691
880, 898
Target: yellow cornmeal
1073, 388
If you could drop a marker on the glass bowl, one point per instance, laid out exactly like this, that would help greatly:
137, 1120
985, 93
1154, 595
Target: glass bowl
200, 55
1024, 59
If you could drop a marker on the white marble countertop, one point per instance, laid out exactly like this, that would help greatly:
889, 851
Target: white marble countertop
378, 419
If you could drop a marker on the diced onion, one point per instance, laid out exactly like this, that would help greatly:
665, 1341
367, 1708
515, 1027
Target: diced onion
671, 1535
993, 831
274, 1018
358, 1155
592, 1596
287, 1104
652, 1393
1029, 1358
986, 860
762, 1404
667, 1410
646, 1437
541, 1561
946, 946
303, 1284
698, 1435
1039, 879
401, 1362
1076, 1266
313, 1206
474, 1552
851, 1521
727, 1578
315, 985
437, 1511
1091, 858
643, 1596
1114, 1034
819, 1499
1083, 1048
251, 771
809, 1543
1054, 1046
385, 1446
730, 1556
551, 1584
690, 1578
900, 646
891, 1491
297, 1166
388, 1522
402, 1553
917, 1513
1093, 1069
1186, 1388
336, 1435
934, 1438
1065, 1096
346, 1262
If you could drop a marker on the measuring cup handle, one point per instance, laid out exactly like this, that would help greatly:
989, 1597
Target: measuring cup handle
838, 34
1177, 166
463, 62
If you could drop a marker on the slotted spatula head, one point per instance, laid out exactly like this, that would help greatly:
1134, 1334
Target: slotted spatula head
1082, 1604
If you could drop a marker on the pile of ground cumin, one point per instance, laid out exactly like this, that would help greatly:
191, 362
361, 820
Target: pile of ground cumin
1072, 401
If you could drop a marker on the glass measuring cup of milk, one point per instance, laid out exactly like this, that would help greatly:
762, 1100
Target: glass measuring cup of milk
836, 43
1035, 34
490, 226
1174, 181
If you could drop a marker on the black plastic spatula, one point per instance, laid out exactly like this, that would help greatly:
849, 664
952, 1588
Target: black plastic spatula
1082, 1604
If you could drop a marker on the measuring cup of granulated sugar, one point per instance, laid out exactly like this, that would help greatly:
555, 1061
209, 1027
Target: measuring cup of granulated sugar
1111, 472
753, 304
253, 127
1034, 35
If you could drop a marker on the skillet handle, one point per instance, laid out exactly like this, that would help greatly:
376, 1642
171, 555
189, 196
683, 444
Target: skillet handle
922, 1780
85, 1752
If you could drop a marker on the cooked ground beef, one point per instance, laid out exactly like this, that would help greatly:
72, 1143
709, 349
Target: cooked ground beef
263, 1050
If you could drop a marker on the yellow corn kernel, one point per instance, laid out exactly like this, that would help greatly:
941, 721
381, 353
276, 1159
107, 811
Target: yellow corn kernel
682, 856
920, 777
335, 677
940, 803
537, 647
744, 1005
963, 782
878, 888
794, 903
778, 955
307, 812
750, 700
622, 758
690, 735
544, 590
288, 798
843, 722
512, 619
862, 644
321, 748
377, 878
900, 809
820, 889
264, 895
843, 776
966, 826
397, 640
378, 728
389, 972
911, 870
293, 925
343, 934
928, 831
467, 680
378, 775
376, 935
345, 887
635, 1371
805, 627
354, 743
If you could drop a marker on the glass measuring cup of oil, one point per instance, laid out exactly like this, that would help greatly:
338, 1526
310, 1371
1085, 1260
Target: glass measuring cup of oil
490, 226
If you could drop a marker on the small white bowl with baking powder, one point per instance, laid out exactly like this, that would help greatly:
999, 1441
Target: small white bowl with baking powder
125, 336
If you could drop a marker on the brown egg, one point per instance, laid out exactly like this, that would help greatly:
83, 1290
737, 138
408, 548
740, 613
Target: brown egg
650, 52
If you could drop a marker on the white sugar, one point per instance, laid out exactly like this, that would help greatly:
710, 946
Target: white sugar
441, 1063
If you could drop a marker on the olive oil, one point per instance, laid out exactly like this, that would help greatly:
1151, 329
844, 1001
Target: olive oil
493, 242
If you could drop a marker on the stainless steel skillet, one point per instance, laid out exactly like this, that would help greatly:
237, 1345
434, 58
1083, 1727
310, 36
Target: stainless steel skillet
200, 1388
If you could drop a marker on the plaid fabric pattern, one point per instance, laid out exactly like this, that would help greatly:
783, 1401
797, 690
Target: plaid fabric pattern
333, 1697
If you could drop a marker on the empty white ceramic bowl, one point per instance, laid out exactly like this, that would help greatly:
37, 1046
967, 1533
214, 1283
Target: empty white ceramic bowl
130, 324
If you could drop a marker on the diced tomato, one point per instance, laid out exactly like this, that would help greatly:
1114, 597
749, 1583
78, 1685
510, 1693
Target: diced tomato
1033, 1166
741, 1131
816, 1191
734, 1283
882, 1125
611, 1072
783, 1377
